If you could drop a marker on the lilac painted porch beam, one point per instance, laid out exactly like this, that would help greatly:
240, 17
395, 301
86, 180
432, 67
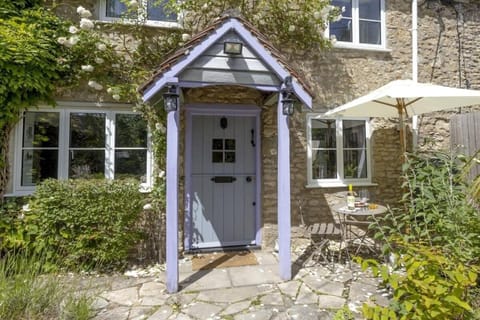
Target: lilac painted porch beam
172, 201
283, 194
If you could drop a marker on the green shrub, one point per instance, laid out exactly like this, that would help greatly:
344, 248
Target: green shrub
426, 284
436, 208
12, 231
86, 224
26, 292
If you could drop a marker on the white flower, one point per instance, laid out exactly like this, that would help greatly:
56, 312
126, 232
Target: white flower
161, 174
205, 6
86, 24
185, 37
160, 127
333, 39
116, 65
99, 60
116, 97
317, 15
87, 68
62, 40
343, 9
291, 28
26, 207
110, 90
148, 206
84, 13
338, 18
73, 40
72, 29
101, 46
95, 85
133, 4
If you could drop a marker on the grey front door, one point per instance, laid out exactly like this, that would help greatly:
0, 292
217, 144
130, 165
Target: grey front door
223, 181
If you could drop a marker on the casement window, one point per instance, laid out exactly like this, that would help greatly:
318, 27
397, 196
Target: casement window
338, 151
362, 24
81, 143
153, 12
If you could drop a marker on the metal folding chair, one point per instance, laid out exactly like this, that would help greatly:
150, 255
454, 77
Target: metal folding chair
326, 238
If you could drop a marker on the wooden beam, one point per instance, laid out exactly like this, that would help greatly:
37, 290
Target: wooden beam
172, 201
283, 194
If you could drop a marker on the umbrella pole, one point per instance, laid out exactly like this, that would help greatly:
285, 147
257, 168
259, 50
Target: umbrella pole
403, 138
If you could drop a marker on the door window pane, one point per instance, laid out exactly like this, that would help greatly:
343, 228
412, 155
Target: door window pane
87, 164
87, 130
130, 131
131, 164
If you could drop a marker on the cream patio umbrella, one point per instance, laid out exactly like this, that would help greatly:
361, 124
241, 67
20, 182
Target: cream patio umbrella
405, 98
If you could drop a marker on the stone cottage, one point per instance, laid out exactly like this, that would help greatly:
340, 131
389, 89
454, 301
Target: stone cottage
242, 159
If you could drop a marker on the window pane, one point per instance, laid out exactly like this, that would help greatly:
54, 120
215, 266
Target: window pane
344, 3
40, 129
38, 165
131, 163
217, 144
229, 144
115, 8
87, 164
155, 11
217, 157
369, 9
87, 130
230, 157
323, 133
354, 134
130, 131
324, 164
342, 30
355, 164
370, 32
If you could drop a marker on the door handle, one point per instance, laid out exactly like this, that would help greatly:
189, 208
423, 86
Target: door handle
223, 179
249, 179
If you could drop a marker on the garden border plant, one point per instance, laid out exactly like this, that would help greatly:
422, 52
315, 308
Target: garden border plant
433, 240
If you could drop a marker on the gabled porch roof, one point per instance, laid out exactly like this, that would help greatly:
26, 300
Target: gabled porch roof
169, 71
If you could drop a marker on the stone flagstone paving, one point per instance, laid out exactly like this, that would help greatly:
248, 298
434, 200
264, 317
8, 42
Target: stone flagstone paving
250, 292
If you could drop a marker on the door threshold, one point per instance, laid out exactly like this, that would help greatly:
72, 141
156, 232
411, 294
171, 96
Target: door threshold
223, 249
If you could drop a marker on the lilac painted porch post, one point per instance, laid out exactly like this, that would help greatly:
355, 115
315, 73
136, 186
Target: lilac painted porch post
172, 201
283, 193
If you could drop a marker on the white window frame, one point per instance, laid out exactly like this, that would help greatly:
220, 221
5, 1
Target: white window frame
339, 181
65, 109
102, 6
355, 43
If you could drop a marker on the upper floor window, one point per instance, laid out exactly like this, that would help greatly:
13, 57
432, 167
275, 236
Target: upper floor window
338, 151
88, 144
362, 23
153, 12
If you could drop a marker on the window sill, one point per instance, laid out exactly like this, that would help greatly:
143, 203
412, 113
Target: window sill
373, 48
340, 184
154, 24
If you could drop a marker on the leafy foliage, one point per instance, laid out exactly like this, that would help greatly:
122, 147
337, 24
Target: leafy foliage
86, 224
436, 208
426, 284
26, 292
298, 24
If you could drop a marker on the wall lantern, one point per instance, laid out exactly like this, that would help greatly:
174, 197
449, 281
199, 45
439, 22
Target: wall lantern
232, 47
170, 99
288, 98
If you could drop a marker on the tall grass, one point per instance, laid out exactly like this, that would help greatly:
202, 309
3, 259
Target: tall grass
27, 292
